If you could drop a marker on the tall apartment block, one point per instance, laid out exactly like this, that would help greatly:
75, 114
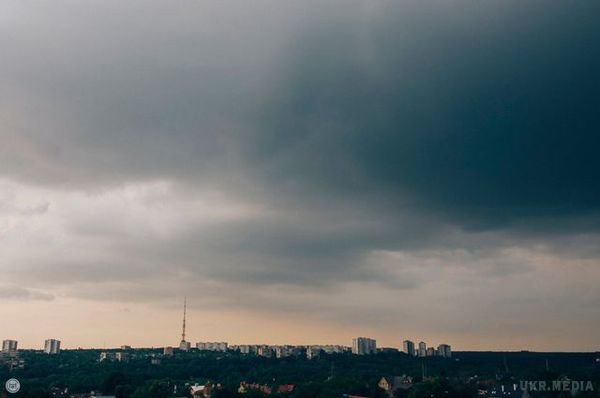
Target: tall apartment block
444, 350
9, 346
52, 346
408, 347
364, 346
422, 349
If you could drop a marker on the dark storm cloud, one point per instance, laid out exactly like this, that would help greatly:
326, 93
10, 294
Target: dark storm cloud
486, 112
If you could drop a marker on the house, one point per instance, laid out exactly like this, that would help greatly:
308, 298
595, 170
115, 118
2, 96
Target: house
285, 388
203, 390
245, 387
390, 384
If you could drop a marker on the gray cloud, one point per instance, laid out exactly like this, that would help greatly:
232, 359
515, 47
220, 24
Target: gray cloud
293, 157
20, 293
457, 120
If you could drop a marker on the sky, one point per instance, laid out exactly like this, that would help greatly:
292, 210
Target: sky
304, 172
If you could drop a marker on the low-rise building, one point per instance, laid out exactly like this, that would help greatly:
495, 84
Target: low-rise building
185, 346
122, 356
119, 356
212, 346
155, 361
11, 360
391, 384
283, 351
265, 351
248, 349
245, 387
106, 356
203, 390
313, 351
285, 388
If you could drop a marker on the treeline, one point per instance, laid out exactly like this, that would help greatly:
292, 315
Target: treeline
79, 371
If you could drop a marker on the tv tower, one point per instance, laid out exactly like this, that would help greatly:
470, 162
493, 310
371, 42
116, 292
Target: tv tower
184, 311
184, 345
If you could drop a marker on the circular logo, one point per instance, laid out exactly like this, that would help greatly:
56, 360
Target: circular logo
13, 386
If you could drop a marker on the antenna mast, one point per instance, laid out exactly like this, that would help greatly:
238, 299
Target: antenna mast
184, 311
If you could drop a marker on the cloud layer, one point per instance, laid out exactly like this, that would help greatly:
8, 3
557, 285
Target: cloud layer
404, 169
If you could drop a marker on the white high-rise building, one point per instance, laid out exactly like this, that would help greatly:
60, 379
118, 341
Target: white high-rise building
422, 349
408, 347
9, 346
444, 350
364, 346
52, 346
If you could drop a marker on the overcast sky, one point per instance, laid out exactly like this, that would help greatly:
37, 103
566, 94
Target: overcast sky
304, 171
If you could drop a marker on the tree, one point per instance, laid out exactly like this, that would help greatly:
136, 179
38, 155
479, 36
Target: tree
110, 383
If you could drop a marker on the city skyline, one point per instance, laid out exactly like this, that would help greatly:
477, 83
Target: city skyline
304, 172
186, 345
358, 345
